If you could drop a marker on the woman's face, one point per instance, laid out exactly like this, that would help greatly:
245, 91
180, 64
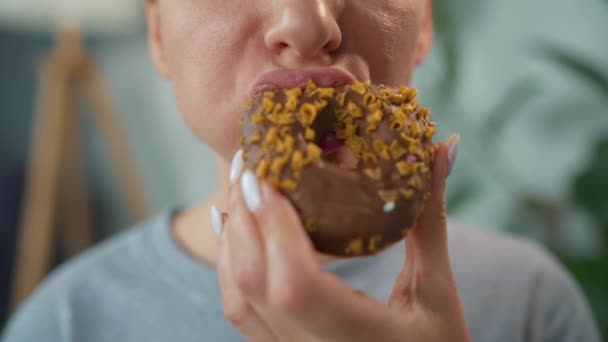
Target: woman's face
214, 51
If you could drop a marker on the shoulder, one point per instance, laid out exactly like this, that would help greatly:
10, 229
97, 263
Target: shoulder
47, 314
109, 259
503, 275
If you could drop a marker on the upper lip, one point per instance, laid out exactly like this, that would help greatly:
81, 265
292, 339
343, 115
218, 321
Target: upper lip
293, 78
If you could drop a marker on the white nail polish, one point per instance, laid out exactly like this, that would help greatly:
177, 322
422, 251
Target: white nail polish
216, 220
237, 166
453, 152
251, 191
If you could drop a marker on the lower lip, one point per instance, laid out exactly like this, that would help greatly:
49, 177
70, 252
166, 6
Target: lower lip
282, 79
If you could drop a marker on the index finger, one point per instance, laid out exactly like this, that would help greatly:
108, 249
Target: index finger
298, 289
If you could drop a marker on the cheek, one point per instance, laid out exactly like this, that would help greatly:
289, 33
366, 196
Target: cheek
202, 57
388, 39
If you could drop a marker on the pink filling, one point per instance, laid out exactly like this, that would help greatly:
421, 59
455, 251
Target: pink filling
330, 144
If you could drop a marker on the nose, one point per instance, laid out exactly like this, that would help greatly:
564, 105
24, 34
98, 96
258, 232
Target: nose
306, 28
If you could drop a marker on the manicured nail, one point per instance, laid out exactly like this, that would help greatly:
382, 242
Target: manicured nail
237, 166
251, 191
454, 147
216, 220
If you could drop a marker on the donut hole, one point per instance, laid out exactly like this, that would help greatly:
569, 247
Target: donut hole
335, 151
329, 143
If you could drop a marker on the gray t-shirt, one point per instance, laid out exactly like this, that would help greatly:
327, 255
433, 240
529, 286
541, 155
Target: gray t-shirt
141, 286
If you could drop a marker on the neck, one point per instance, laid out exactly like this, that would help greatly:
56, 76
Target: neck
192, 227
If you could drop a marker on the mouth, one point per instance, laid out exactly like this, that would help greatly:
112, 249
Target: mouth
295, 78
334, 150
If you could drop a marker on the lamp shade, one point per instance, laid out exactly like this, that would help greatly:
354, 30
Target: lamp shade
92, 16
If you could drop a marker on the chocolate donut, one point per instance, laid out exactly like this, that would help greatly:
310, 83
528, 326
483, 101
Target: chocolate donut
346, 211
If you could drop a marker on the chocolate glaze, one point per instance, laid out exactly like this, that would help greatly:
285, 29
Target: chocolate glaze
346, 212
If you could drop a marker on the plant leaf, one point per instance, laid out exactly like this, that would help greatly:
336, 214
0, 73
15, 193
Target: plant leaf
590, 187
462, 195
512, 103
585, 69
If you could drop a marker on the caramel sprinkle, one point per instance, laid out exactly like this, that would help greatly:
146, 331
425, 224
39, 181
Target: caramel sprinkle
374, 174
379, 145
369, 158
385, 93
325, 92
310, 87
411, 94
267, 104
375, 117
273, 180
415, 182
285, 131
369, 98
396, 125
415, 129
408, 194
297, 160
354, 110
388, 195
289, 184
355, 247
262, 170
292, 104
424, 112
375, 106
307, 114
272, 134
359, 88
396, 99
404, 168
285, 118
313, 152
370, 129
397, 151
277, 165
255, 138
430, 132
374, 242
341, 98
293, 93
309, 134
310, 224
320, 105
257, 118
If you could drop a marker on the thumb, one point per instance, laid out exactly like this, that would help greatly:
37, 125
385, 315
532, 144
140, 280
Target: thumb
427, 242
427, 260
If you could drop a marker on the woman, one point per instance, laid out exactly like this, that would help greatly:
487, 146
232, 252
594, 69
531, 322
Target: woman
158, 282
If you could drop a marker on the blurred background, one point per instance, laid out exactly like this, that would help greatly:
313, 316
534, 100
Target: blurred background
524, 82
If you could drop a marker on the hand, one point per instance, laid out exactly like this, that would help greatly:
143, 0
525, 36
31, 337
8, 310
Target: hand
274, 289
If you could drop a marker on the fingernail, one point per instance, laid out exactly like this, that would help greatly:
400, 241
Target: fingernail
454, 147
237, 166
251, 191
216, 220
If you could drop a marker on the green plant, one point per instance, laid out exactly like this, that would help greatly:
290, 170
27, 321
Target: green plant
541, 217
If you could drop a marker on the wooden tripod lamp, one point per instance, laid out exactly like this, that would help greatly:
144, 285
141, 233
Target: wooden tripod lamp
56, 205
